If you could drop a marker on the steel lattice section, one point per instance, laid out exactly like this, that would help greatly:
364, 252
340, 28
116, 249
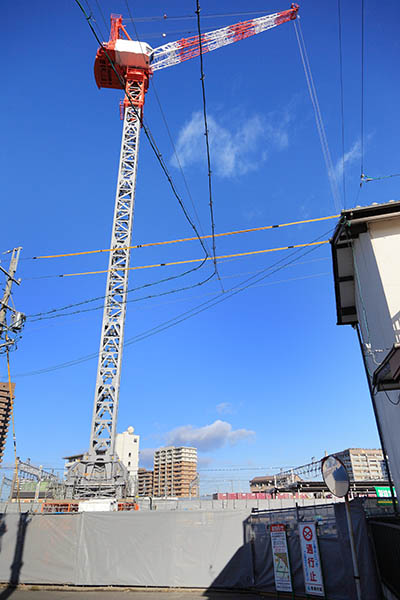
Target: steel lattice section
112, 333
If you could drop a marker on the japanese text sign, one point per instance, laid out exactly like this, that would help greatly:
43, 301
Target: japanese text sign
280, 557
311, 560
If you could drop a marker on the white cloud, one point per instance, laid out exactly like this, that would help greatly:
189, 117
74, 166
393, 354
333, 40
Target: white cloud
348, 159
235, 150
204, 461
146, 456
224, 408
210, 437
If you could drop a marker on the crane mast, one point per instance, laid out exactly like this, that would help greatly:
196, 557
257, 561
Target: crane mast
100, 473
123, 63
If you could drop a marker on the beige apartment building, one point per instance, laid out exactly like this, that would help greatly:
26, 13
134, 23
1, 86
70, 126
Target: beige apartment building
145, 482
364, 464
175, 472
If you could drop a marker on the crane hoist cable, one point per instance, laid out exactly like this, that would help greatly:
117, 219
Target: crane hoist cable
317, 113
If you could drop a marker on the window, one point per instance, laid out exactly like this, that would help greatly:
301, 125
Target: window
129, 454
129, 463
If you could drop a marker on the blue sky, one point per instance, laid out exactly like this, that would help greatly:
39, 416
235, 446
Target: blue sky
265, 378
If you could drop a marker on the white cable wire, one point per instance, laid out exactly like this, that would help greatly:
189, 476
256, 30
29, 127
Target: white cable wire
318, 116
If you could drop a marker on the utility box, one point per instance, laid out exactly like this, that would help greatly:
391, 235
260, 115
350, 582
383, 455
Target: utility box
98, 504
365, 255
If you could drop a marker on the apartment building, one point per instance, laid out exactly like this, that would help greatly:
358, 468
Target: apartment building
145, 482
127, 449
262, 484
175, 472
364, 464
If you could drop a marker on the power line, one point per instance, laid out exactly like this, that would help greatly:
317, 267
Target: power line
203, 90
182, 262
341, 99
102, 14
366, 179
261, 275
103, 297
54, 315
97, 298
44, 316
187, 17
189, 239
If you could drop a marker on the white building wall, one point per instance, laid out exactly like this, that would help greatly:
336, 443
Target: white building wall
377, 288
127, 449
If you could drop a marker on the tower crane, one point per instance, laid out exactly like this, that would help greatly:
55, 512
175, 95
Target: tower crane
123, 63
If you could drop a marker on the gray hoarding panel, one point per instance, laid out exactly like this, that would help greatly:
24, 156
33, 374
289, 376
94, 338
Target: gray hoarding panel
8, 537
174, 549
213, 554
262, 557
126, 549
38, 549
50, 546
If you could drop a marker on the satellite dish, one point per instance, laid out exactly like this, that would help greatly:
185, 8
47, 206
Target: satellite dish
335, 476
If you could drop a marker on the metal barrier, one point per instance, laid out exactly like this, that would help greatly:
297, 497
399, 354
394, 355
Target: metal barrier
59, 507
386, 537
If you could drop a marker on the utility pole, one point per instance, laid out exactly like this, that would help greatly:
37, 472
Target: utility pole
8, 331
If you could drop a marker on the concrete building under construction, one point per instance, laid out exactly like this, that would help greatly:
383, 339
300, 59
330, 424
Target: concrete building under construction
175, 472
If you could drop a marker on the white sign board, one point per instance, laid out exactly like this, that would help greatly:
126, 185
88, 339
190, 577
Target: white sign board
280, 557
311, 560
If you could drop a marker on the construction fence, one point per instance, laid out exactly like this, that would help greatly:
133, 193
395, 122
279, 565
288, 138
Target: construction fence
178, 549
167, 504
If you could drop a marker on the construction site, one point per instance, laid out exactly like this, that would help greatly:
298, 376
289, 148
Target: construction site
205, 493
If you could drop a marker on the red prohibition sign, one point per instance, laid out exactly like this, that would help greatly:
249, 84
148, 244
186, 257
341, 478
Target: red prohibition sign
307, 533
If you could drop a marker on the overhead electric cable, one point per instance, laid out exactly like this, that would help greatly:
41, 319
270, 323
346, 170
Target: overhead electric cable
191, 17
341, 99
261, 275
101, 13
366, 179
103, 297
362, 96
47, 316
181, 262
44, 316
189, 239
61, 309
203, 90
317, 113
